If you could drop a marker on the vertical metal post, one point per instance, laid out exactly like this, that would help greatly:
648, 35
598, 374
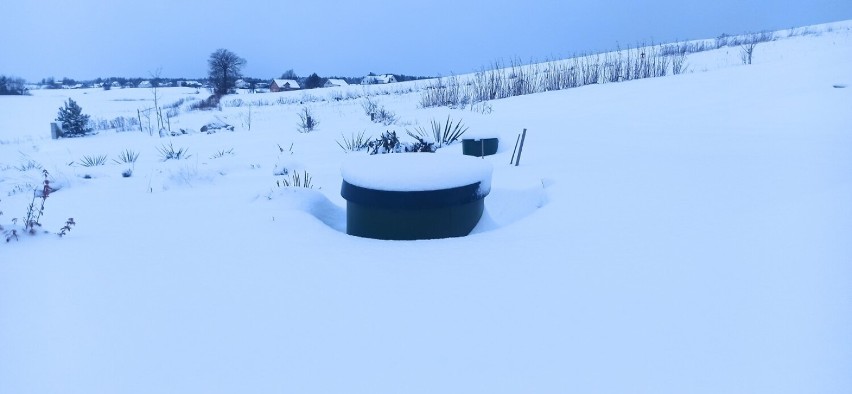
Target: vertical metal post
521, 147
514, 151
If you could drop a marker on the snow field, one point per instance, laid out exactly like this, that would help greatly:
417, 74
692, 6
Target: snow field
680, 234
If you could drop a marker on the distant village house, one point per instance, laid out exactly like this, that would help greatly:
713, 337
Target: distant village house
283, 85
189, 84
378, 79
334, 82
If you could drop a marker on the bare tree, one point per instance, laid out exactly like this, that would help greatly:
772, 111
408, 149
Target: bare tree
224, 69
747, 49
290, 74
155, 83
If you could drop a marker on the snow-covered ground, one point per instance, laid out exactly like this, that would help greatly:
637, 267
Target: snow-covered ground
685, 234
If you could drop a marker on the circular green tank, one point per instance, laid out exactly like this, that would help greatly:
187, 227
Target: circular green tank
409, 215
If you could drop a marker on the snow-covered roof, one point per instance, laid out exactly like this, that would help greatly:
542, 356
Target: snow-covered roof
336, 82
284, 82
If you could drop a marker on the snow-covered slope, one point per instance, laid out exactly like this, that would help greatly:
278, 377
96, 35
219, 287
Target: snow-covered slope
679, 234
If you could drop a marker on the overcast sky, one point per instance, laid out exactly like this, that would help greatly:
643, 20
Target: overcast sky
85, 39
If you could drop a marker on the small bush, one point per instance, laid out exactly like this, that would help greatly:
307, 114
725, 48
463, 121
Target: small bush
169, 152
369, 106
119, 124
176, 104
209, 103
307, 121
420, 146
389, 142
222, 153
28, 164
378, 114
66, 228
237, 102
352, 95
482, 107
384, 116
296, 180
450, 92
679, 63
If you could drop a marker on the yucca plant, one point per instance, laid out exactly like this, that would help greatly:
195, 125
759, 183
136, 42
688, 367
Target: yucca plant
354, 143
169, 152
441, 133
128, 156
449, 133
92, 161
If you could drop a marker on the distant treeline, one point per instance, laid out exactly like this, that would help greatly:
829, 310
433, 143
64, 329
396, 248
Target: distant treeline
12, 86
51, 83
309, 82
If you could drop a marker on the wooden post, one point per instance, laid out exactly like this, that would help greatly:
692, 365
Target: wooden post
521, 147
482, 145
139, 116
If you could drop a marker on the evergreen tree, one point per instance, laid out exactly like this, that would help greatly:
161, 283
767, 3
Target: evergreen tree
74, 122
314, 81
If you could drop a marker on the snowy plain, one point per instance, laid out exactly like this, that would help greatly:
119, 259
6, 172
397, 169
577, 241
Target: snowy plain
684, 234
